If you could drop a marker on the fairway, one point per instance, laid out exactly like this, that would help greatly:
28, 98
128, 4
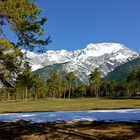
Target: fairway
68, 105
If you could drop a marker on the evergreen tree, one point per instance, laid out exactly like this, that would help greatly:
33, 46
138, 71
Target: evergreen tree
59, 83
82, 89
132, 81
126, 86
22, 16
71, 78
10, 63
55, 84
112, 88
27, 81
94, 79
64, 87
104, 88
138, 75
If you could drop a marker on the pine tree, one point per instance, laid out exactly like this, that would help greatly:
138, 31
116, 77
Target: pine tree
71, 78
55, 84
10, 63
27, 81
22, 16
132, 80
64, 87
82, 89
94, 79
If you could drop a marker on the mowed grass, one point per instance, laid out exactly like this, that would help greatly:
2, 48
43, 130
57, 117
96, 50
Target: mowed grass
68, 105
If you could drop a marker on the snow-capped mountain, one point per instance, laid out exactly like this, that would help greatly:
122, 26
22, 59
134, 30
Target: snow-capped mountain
105, 56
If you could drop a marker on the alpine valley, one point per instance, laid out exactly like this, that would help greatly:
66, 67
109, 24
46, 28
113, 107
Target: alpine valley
105, 56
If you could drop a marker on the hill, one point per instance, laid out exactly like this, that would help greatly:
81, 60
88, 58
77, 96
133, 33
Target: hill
120, 73
45, 72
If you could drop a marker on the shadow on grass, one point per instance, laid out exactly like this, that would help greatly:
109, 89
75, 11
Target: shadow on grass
124, 98
28, 111
79, 130
137, 106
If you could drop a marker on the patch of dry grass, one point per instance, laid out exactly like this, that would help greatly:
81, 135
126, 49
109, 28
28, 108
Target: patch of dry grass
68, 105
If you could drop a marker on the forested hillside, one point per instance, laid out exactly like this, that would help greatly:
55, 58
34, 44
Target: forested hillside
121, 72
46, 72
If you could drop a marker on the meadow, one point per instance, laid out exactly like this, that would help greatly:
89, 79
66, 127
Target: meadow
68, 105
25, 130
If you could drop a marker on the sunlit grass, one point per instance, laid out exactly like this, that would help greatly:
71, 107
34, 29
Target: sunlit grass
68, 105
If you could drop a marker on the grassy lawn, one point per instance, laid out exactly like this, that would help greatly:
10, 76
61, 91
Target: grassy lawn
68, 105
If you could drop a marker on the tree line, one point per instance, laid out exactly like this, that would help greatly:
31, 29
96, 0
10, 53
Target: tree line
30, 87
97, 87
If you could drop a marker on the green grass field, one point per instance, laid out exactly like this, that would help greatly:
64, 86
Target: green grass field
68, 105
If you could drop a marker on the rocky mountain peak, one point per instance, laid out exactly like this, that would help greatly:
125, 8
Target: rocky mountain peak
106, 56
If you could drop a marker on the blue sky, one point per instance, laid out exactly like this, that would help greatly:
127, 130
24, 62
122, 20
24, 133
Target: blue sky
73, 24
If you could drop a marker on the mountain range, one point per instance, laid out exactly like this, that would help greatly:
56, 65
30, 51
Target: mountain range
105, 56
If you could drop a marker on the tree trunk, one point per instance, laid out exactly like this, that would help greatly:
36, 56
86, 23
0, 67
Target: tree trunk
69, 89
8, 96
97, 90
53, 93
64, 94
26, 94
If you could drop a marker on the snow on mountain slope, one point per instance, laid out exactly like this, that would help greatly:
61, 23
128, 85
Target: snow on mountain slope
50, 57
106, 56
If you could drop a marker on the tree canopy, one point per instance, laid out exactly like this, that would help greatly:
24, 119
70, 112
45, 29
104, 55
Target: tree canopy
10, 62
94, 79
23, 19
